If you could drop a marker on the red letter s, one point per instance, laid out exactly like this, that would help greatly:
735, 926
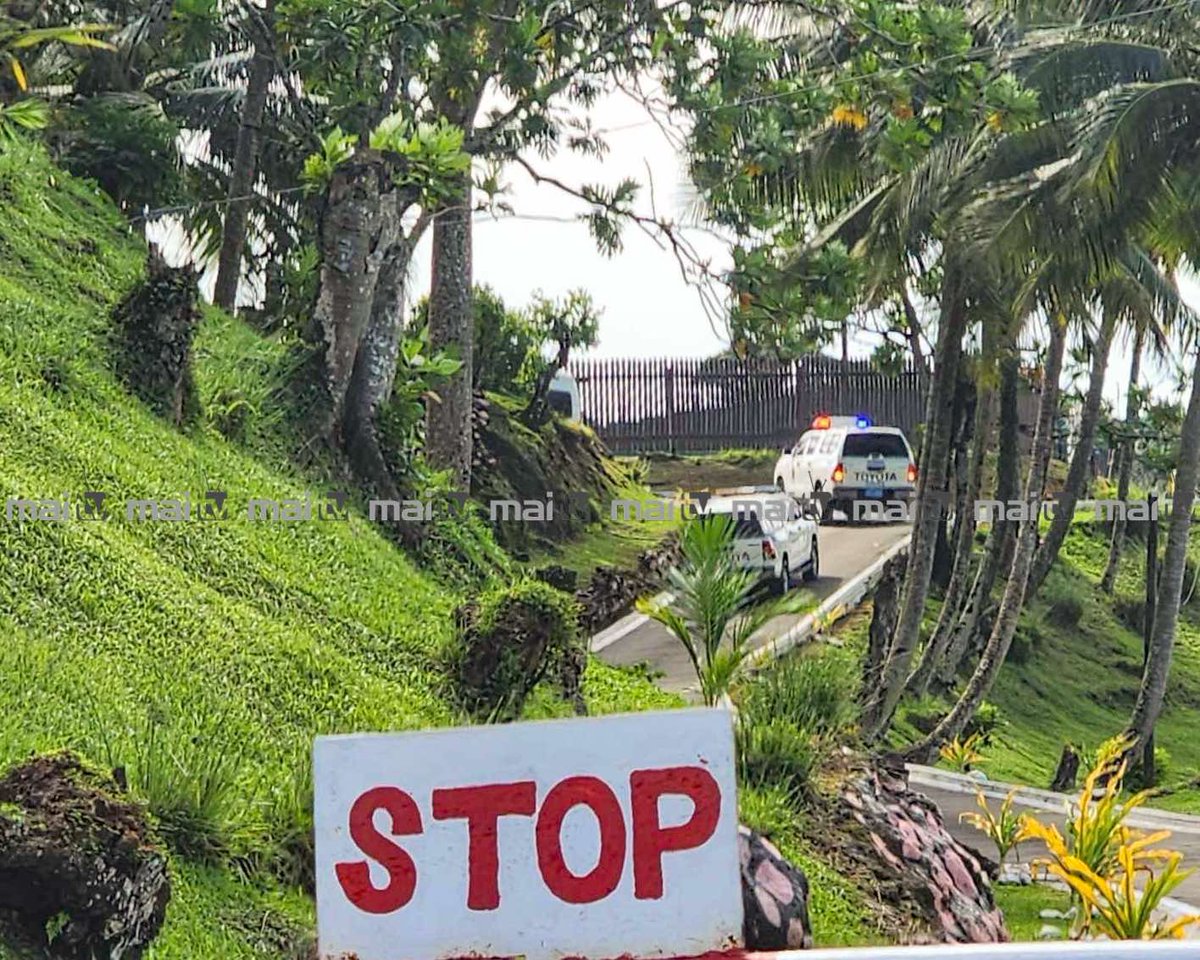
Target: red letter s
650, 839
355, 878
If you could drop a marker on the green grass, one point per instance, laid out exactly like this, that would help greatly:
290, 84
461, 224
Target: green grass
617, 542
725, 468
1022, 906
167, 646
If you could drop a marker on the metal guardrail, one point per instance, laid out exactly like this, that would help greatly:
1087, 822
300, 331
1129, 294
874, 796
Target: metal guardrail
1071, 950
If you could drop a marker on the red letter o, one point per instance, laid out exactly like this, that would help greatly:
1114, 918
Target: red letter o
603, 878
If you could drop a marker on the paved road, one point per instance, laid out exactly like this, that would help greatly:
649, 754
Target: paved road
1185, 831
846, 550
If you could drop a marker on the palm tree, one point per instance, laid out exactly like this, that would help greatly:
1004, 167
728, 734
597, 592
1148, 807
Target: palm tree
1136, 293
710, 612
245, 161
1005, 626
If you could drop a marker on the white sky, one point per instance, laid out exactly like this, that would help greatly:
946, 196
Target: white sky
648, 308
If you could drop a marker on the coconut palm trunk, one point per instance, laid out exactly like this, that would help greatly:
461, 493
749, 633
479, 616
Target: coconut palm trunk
980, 684
931, 498
957, 593
245, 164
1081, 459
1170, 585
1002, 534
1124, 463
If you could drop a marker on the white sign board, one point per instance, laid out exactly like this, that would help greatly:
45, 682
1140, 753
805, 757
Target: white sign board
606, 837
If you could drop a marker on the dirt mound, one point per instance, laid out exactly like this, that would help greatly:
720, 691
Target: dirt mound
82, 875
556, 462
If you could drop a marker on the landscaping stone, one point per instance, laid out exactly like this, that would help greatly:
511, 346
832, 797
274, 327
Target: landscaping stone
1015, 875
774, 895
918, 868
82, 875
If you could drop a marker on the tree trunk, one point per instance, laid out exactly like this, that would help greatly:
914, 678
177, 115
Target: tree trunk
885, 606
451, 327
913, 324
1002, 535
245, 167
1170, 585
964, 538
946, 553
931, 491
1005, 626
1125, 464
356, 229
374, 371
1081, 460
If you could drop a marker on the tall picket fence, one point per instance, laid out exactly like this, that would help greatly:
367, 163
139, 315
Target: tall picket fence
689, 405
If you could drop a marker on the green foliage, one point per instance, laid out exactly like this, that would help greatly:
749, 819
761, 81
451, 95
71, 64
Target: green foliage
419, 372
512, 638
986, 724
815, 693
244, 379
506, 344
432, 156
709, 613
187, 769
789, 715
127, 144
1003, 826
773, 751
336, 148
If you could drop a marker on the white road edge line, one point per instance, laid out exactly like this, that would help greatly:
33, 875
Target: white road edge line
625, 626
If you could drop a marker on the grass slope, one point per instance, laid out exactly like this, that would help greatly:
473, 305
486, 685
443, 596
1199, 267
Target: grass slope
202, 656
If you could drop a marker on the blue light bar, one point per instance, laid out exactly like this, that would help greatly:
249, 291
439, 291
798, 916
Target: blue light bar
862, 421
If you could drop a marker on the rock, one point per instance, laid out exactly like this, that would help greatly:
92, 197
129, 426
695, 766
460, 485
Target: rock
1049, 931
1015, 874
978, 775
81, 872
919, 870
1052, 915
774, 895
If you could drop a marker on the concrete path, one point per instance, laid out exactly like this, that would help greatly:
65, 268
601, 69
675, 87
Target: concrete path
846, 551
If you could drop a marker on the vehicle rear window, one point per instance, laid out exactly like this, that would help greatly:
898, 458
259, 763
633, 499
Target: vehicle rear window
865, 444
746, 524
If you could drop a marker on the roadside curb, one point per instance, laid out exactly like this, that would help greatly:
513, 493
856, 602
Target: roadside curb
626, 625
831, 609
1042, 799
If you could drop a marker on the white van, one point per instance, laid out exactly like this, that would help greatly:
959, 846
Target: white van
845, 460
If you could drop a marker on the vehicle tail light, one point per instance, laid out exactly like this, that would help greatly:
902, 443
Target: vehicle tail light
912, 473
768, 549
839, 473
